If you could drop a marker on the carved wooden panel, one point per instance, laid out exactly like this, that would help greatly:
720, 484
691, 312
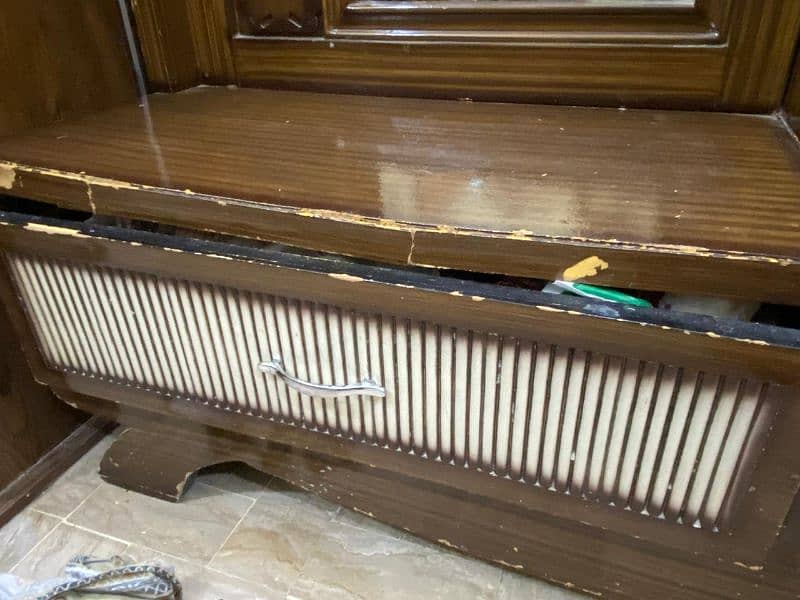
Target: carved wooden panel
279, 17
708, 54
623, 21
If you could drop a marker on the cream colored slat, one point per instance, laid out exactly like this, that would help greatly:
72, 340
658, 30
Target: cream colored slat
117, 340
80, 330
325, 363
637, 428
350, 357
691, 447
519, 416
555, 404
416, 375
460, 387
403, 388
475, 390
339, 369
504, 399
280, 310
541, 378
377, 367
493, 343
589, 413
84, 295
255, 333
390, 383
446, 393
655, 436
280, 404
209, 323
73, 356
688, 389
311, 350
170, 301
151, 336
200, 347
620, 427
567, 452
297, 348
155, 330
239, 357
705, 473
364, 372
602, 433
737, 445
140, 329
220, 325
49, 341
122, 313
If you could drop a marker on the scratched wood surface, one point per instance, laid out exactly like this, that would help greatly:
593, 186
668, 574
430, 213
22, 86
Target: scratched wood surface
670, 200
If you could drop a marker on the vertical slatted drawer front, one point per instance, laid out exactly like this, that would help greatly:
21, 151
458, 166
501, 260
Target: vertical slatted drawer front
663, 441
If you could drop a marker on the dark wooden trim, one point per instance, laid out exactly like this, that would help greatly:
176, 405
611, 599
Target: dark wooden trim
564, 552
20, 492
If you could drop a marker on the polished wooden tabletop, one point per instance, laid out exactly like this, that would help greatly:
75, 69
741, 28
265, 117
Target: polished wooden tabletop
672, 183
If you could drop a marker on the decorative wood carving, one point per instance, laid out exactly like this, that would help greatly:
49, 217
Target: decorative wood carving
267, 18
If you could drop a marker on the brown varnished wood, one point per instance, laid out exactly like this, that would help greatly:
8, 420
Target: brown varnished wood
748, 84
705, 54
184, 42
30, 483
791, 99
690, 202
718, 351
33, 421
567, 553
757, 518
60, 60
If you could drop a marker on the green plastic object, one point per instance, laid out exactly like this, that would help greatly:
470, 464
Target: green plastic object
601, 293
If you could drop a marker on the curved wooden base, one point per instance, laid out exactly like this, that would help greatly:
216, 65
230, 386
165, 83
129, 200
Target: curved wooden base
160, 459
156, 465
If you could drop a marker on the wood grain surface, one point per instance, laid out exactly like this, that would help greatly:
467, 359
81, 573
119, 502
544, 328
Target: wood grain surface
677, 200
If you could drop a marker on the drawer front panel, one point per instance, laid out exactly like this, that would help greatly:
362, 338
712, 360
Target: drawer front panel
660, 440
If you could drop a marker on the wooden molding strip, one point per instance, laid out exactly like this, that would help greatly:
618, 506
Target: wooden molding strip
24, 489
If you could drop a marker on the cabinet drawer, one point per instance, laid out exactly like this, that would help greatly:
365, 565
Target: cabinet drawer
658, 417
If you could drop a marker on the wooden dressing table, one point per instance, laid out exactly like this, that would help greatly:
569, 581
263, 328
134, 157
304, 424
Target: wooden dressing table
318, 247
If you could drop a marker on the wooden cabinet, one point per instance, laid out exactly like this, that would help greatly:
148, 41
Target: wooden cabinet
710, 54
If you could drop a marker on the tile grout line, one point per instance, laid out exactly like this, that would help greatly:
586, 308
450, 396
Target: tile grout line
62, 521
224, 491
231, 532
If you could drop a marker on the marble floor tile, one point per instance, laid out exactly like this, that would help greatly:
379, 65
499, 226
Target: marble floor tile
202, 583
273, 542
235, 477
520, 587
21, 534
355, 558
80, 480
65, 541
193, 528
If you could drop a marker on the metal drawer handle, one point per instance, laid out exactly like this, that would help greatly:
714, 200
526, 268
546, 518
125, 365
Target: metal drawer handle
366, 387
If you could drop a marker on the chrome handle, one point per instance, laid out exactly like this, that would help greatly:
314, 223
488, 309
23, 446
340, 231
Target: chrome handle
366, 387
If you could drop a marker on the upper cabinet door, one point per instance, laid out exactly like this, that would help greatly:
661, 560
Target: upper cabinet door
712, 54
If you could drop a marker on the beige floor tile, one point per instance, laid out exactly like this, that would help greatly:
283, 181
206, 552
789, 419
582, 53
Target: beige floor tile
194, 528
359, 558
21, 534
80, 480
520, 587
201, 583
63, 543
235, 477
272, 543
